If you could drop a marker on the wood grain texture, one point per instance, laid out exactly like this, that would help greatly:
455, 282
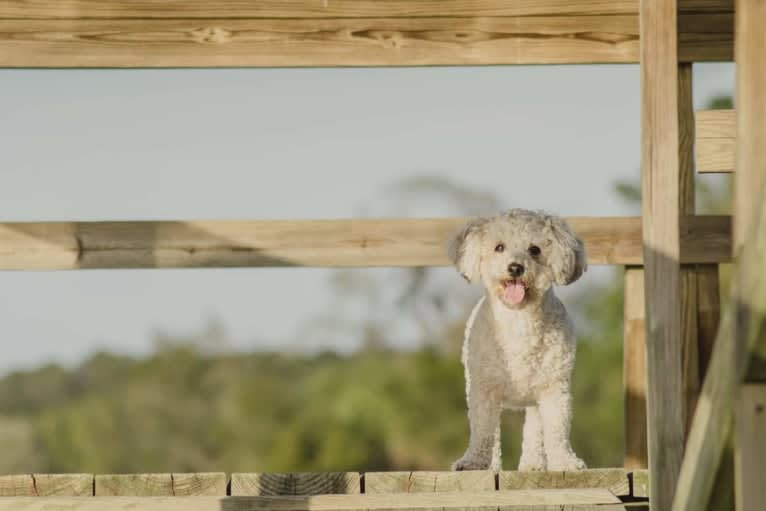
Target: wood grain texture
634, 369
227, 42
751, 114
715, 124
17, 485
133, 485
661, 232
307, 483
708, 313
64, 485
421, 482
686, 205
640, 483
715, 140
711, 427
320, 42
750, 450
613, 479
149, 9
410, 501
198, 484
311, 243
749, 225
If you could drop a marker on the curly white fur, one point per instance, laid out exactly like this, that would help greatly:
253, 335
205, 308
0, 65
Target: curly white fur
519, 354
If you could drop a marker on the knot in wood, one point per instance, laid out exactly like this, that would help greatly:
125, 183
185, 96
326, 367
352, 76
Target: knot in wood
211, 35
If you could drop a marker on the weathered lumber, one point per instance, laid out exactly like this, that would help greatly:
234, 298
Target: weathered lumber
708, 313
375, 41
712, 421
411, 501
420, 482
715, 140
689, 282
17, 485
318, 243
613, 479
660, 170
307, 483
133, 485
335, 9
634, 368
198, 484
750, 194
750, 451
63, 485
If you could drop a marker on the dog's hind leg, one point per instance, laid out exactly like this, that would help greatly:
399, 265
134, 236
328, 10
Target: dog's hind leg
497, 454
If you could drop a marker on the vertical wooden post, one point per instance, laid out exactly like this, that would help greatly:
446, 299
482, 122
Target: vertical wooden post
661, 233
686, 204
749, 179
634, 369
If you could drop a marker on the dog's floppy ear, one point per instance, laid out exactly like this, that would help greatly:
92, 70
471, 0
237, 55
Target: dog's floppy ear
568, 260
464, 250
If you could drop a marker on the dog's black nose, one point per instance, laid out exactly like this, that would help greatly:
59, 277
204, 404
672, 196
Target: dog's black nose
516, 270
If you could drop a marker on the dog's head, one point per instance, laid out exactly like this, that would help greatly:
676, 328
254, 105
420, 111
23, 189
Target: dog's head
518, 254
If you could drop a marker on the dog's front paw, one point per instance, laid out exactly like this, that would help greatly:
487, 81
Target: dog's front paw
467, 463
565, 463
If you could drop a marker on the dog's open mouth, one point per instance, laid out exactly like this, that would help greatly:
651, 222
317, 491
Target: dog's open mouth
514, 291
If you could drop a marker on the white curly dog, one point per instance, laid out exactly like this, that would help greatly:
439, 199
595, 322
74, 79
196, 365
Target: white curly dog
519, 348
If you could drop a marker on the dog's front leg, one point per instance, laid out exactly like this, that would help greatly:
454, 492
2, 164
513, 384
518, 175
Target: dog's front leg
484, 417
556, 414
532, 450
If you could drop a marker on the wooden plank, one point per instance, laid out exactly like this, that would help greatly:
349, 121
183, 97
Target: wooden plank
661, 233
44, 9
688, 293
17, 485
199, 484
421, 482
751, 114
133, 485
227, 42
313, 243
613, 479
480, 500
715, 124
634, 369
703, 37
64, 485
318, 42
715, 140
716, 155
149, 9
640, 483
711, 427
708, 313
750, 456
307, 483
749, 214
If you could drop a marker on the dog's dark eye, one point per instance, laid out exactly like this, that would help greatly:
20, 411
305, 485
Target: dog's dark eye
534, 250
500, 247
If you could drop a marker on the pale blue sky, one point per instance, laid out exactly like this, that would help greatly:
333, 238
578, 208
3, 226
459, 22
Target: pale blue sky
292, 143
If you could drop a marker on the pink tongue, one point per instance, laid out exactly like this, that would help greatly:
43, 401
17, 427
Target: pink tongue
514, 293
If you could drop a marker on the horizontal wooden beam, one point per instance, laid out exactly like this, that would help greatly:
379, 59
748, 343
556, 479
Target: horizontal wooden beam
380, 41
409, 501
716, 140
311, 243
151, 9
